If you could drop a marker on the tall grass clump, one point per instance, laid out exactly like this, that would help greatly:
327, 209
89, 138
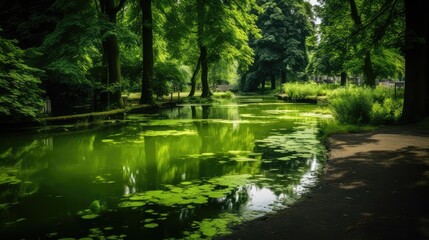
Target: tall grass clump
388, 111
352, 105
303, 91
361, 105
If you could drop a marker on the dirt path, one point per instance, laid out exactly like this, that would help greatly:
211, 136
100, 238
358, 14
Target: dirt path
375, 186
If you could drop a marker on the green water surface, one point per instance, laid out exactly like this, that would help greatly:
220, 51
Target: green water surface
190, 172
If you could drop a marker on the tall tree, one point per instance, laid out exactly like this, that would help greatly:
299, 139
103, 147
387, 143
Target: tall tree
201, 16
111, 64
360, 38
147, 35
194, 77
68, 58
416, 100
367, 69
222, 32
285, 27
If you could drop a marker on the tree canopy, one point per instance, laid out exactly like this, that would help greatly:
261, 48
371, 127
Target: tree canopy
90, 53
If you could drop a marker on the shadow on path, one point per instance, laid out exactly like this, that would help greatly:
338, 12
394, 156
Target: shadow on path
375, 186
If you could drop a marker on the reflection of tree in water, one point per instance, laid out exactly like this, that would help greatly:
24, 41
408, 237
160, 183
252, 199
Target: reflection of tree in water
222, 136
235, 200
22, 161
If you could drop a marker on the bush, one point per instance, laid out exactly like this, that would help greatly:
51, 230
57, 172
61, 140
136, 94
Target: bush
360, 105
303, 91
389, 111
352, 105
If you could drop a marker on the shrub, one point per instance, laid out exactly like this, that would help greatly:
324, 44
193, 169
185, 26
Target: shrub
352, 105
303, 91
389, 111
360, 105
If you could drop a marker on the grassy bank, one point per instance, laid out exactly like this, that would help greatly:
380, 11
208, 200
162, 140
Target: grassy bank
356, 105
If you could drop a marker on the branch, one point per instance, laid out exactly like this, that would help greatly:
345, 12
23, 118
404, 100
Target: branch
120, 6
362, 27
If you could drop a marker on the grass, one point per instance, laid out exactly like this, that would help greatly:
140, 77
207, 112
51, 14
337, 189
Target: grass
305, 91
363, 105
334, 127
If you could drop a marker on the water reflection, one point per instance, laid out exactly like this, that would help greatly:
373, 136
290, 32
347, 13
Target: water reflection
188, 167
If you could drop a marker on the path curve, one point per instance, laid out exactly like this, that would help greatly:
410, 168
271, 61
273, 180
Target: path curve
374, 186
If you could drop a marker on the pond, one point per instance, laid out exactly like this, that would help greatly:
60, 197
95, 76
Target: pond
185, 173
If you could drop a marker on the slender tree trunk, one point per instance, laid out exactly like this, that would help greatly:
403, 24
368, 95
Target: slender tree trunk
416, 99
193, 112
368, 69
147, 34
194, 77
204, 73
104, 94
284, 77
115, 71
273, 81
343, 78
203, 50
111, 61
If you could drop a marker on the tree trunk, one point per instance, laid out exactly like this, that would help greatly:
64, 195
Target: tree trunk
343, 78
283, 78
416, 99
147, 34
204, 73
203, 49
111, 75
194, 77
114, 65
368, 69
273, 81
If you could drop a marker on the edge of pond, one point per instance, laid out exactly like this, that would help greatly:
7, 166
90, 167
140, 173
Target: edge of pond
309, 218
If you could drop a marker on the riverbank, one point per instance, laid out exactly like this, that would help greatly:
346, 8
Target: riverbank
374, 186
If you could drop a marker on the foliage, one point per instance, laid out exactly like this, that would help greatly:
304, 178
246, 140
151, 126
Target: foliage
343, 44
334, 127
361, 105
69, 57
224, 72
389, 111
300, 91
285, 27
169, 77
352, 105
227, 27
387, 64
20, 93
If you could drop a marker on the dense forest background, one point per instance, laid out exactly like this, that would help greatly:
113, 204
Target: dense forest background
91, 53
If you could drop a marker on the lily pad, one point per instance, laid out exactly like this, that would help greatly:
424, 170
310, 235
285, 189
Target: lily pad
90, 216
151, 225
131, 204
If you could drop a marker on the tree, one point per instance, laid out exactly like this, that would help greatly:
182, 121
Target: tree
353, 31
285, 26
201, 16
223, 30
68, 59
416, 100
147, 35
20, 94
111, 65
367, 69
